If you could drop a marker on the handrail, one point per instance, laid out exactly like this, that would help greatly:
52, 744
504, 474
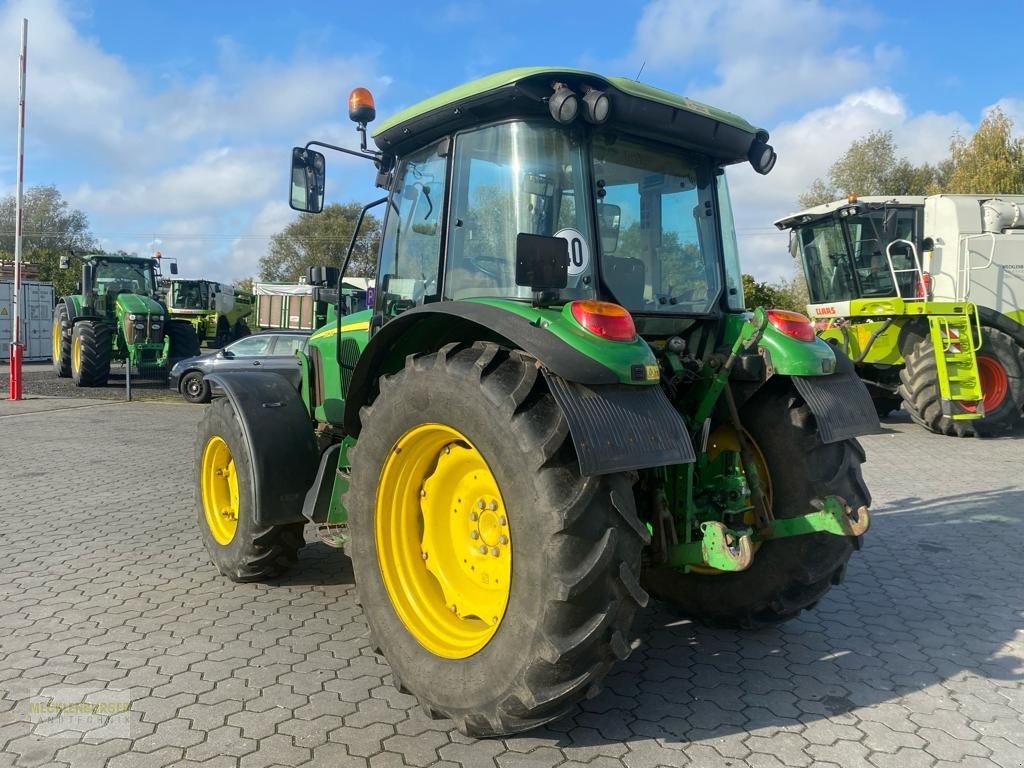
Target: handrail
964, 268
916, 270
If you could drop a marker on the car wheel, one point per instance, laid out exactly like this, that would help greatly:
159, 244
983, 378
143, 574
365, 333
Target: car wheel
195, 388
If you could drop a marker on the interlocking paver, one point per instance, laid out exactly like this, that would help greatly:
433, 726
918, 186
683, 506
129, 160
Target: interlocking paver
914, 661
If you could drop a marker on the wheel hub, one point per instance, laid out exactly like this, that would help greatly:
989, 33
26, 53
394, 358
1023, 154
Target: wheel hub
443, 540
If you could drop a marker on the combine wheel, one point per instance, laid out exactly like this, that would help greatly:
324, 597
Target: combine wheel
238, 547
787, 575
61, 342
184, 341
1001, 368
90, 353
498, 582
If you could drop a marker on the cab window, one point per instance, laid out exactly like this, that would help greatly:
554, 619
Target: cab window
412, 233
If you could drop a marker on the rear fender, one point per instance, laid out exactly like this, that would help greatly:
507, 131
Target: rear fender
279, 436
841, 404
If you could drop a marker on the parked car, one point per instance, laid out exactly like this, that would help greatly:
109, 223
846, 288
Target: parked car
265, 351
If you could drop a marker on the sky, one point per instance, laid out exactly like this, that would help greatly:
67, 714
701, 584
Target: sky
170, 124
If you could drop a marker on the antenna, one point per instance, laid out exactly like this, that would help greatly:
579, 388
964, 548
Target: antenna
637, 78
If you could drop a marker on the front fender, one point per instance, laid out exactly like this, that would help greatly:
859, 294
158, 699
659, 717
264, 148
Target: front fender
280, 440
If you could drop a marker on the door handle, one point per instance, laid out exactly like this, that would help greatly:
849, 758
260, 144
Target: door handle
256, 362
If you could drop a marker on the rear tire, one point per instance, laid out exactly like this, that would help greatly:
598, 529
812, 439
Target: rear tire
240, 549
787, 575
1001, 365
61, 342
575, 544
90, 353
184, 341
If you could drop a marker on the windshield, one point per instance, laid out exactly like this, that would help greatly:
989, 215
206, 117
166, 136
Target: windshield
834, 273
511, 178
663, 255
188, 294
124, 277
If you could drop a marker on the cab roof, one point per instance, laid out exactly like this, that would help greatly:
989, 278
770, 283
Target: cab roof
826, 209
522, 92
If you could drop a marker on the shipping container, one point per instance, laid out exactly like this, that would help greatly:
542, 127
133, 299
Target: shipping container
284, 305
36, 305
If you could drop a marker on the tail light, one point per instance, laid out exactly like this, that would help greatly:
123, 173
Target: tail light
793, 324
604, 319
924, 286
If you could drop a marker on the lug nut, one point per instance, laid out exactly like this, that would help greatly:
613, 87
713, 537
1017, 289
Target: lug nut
452, 608
474, 516
493, 505
447, 449
494, 551
423, 491
479, 503
503, 539
474, 534
494, 620
423, 555
502, 520
483, 549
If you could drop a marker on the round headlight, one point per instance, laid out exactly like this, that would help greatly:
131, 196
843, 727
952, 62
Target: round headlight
133, 317
761, 156
563, 104
596, 106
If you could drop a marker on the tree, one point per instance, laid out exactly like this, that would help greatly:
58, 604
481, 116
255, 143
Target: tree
871, 167
992, 161
51, 229
244, 284
315, 240
791, 294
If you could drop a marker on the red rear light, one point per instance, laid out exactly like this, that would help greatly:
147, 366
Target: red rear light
604, 319
924, 286
793, 324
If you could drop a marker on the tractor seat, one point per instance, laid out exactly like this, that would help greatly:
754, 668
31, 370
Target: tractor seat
626, 277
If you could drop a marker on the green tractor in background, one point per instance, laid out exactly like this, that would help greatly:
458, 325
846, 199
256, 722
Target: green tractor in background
556, 402
217, 311
117, 316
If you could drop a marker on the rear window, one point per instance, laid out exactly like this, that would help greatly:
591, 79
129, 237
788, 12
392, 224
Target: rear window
289, 345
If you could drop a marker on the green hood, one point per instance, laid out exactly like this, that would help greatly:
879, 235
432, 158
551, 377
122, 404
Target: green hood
131, 303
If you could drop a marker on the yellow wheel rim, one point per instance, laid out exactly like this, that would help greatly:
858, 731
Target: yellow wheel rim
218, 483
443, 541
724, 439
56, 341
76, 353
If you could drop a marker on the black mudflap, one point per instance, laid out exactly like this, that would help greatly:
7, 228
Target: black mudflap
617, 427
841, 405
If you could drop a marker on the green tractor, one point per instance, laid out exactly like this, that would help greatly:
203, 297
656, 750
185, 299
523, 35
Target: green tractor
117, 316
217, 311
556, 404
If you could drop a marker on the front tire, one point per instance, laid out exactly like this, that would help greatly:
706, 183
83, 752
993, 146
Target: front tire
91, 349
225, 504
438, 430
194, 387
61, 342
184, 341
792, 574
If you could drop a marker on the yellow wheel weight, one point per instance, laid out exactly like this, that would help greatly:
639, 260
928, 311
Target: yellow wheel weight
219, 489
443, 541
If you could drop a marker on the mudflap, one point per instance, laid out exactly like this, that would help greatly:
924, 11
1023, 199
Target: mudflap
618, 427
276, 427
841, 405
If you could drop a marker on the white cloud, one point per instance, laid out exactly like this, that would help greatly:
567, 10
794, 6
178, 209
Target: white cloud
807, 147
764, 53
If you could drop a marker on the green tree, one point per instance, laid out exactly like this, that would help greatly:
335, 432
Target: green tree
991, 161
871, 167
322, 240
244, 284
786, 294
51, 229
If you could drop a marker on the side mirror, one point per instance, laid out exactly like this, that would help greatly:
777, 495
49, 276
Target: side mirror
309, 169
324, 276
608, 218
542, 263
174, 267
227, 354
65, 262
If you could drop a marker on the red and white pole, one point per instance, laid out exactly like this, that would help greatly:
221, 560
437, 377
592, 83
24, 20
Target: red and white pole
16, 345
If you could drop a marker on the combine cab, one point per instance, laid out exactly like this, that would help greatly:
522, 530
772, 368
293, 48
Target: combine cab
924, 293
556, 403
218, 312
117, 316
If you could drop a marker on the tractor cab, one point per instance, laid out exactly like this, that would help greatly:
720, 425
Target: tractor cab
105, 278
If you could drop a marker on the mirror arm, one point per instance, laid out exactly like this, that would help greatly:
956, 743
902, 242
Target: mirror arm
368, 154
344, 267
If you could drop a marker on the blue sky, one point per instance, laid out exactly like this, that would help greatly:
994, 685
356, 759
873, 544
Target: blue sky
169, 124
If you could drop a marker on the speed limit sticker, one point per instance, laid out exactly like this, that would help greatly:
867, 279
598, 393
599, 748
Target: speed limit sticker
579, 251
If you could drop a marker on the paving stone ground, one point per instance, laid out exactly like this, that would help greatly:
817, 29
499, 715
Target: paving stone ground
916, 660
